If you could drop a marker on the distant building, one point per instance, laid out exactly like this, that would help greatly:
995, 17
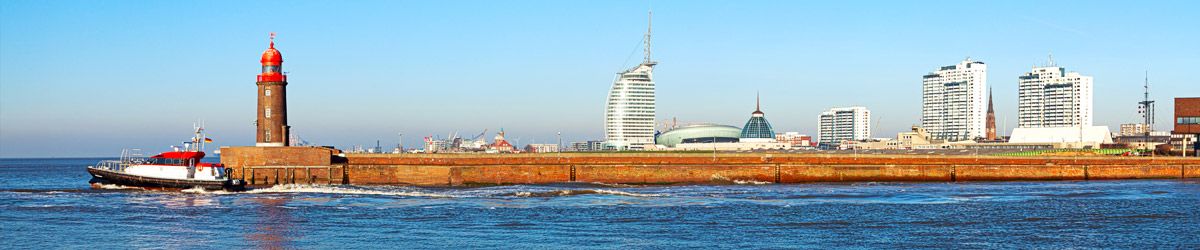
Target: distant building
796, 139
500, 145
699, 133
629, 109
952, 101
756, 135
757, 129
731, 146
1187, 123
1142, 140
585, 146
1072, 137
842, 124
914, 138
1132, 129
917, 138
1187, 115
541, 148
1051, 97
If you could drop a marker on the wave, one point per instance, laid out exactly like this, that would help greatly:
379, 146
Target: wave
322, 189
752, 182
616, 185
573, 192
114, 187
199, 190
718, 178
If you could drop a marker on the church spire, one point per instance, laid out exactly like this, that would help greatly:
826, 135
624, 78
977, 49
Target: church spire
990, 110
990, 127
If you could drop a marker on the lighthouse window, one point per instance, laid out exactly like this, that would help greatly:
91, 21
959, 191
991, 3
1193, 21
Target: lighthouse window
268, 92
268, 113
271, 68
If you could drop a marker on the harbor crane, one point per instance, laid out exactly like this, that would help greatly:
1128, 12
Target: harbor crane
480, 135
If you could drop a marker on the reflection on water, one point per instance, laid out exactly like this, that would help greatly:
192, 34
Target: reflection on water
273, 223
43, 201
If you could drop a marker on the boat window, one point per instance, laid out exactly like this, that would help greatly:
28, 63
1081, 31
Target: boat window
165, 161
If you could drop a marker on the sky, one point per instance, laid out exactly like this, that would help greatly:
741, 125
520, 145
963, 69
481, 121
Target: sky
89, 78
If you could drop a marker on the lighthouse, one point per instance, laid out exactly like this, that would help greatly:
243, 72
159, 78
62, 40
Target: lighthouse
273, 130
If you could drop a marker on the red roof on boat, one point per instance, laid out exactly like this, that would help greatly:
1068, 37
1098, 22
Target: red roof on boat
181, 155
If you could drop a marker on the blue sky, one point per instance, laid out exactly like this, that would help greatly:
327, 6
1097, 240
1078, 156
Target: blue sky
87, 78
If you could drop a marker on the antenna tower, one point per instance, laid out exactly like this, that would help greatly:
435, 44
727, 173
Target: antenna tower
649, 30
1146, 107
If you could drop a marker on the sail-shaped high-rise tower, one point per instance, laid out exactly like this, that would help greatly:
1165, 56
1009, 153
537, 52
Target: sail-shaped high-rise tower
629, 110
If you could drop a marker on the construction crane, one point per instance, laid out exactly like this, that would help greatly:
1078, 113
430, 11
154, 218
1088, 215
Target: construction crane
480, 135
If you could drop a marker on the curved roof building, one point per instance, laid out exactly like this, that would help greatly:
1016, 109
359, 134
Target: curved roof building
757, 127
701, 133
629, 109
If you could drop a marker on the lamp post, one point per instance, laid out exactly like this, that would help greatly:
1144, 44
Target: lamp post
400, 145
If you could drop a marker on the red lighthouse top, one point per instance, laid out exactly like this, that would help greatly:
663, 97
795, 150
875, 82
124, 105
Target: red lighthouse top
272, 56
272, 64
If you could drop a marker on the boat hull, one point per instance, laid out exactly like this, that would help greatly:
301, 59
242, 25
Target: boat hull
103, 176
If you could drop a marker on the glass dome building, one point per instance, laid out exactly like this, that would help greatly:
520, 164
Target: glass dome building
757, 127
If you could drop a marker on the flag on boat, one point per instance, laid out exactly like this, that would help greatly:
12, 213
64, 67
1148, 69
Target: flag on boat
207, 140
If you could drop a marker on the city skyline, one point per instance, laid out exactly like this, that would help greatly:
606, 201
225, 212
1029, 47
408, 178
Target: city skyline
89, 79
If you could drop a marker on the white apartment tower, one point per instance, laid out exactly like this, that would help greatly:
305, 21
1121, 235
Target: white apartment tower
1051, 97
954, 101
841, 124
629, 110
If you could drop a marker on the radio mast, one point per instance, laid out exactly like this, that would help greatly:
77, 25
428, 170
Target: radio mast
1146, 107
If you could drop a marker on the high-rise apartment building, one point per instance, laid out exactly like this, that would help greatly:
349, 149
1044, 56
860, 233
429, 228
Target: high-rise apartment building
1050, 97
842, 124
954, 101
629, 109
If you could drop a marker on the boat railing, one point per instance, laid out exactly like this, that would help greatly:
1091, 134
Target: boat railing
111, 165
128, 157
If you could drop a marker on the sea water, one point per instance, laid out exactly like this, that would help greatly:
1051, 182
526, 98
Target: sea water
48, 203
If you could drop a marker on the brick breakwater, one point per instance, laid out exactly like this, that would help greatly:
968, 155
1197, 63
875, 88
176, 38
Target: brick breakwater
301, 165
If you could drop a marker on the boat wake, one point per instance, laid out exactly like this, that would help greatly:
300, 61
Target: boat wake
114, 187
573, 192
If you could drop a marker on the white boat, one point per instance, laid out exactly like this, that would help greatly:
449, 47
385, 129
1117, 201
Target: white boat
178, 169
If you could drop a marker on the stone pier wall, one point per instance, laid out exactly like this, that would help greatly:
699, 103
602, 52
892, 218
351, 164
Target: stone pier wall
325, 166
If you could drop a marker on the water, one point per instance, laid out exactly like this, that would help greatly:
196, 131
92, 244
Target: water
47, 203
